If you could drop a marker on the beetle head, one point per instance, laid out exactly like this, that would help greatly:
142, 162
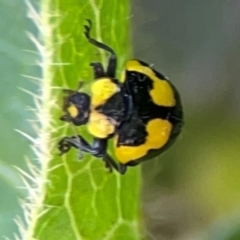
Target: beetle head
76, 107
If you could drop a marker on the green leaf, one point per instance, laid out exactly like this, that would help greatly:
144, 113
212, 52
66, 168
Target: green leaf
79, 199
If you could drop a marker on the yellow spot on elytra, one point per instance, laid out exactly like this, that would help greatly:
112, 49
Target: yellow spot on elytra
162, 93
102, 89
159, 131
99, 125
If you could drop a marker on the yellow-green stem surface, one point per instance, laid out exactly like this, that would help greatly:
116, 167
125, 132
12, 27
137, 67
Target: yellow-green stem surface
79, 199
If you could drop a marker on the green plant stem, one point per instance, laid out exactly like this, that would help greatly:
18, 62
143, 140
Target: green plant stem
79, 199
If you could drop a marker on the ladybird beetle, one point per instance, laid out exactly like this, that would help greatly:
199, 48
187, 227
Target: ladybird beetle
141, 112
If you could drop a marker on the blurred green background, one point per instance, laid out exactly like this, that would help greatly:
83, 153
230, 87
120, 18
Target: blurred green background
16, 60
193, 190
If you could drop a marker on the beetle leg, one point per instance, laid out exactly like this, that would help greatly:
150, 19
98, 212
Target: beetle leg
98, 70
118, 167
112, 61
100, 145
122, 168
98, 149
112, 65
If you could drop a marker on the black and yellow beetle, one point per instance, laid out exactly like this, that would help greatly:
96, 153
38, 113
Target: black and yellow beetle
142, 112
